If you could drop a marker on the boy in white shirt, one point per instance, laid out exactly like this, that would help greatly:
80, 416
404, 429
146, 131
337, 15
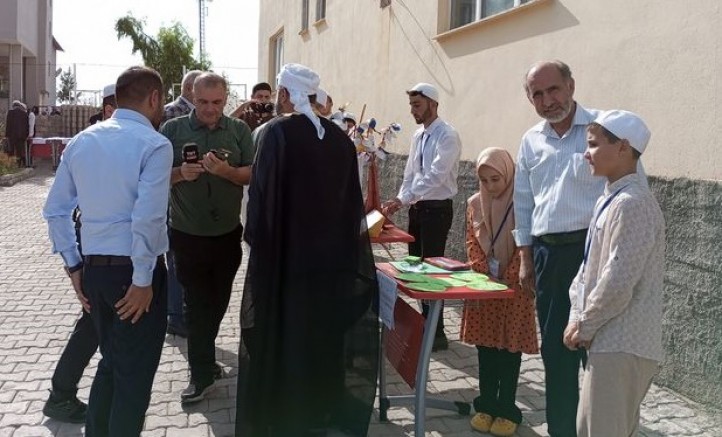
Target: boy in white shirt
616, 297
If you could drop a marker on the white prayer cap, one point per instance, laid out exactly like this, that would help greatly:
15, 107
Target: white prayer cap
109, 90
626, 125
321, 97
18, 104
425, 89
350, 116
301, 82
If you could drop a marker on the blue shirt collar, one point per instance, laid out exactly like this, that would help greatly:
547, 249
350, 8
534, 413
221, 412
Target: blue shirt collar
582, 117
133, 115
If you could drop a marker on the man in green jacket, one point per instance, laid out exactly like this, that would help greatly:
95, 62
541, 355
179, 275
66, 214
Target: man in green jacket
205, 207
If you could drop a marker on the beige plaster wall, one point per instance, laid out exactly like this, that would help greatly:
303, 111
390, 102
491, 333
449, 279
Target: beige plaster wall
659, 58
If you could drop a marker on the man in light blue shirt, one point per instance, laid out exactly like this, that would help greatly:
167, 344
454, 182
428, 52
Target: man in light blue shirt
554, 195
118, 172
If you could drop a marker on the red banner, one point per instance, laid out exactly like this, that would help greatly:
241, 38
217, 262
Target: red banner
403, 343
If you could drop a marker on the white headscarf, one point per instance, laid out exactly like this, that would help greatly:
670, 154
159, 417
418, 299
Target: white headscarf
301, 82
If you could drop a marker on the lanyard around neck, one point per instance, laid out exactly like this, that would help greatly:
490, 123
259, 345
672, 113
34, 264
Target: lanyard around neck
495, 236
592, 230
422, 145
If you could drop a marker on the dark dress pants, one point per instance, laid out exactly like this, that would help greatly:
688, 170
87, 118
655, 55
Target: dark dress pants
555, 267
80, 349
120, 393
206, 268
429, 224
498, 379
175, 293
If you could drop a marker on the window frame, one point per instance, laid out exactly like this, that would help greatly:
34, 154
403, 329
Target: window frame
276, 52
320, 10
479, 7
305, 10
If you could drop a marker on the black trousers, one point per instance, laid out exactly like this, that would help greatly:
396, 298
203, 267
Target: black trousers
120, 393
555, 267
205, 267
80, 349
429, 224
498, 379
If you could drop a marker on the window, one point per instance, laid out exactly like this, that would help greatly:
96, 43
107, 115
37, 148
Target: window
304, 15
320, 10
276, 56
467, 11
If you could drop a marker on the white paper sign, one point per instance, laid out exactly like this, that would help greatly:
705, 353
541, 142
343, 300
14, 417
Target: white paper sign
387, 299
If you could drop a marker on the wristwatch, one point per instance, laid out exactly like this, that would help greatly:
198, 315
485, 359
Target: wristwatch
73, 269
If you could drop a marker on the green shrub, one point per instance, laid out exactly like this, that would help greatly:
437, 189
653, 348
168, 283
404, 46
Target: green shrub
8, 164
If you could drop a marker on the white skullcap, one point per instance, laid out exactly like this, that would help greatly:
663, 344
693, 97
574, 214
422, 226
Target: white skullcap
425, 89
626, 125
301, 82
109, 90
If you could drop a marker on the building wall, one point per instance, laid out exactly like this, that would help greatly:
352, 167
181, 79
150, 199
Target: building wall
27, 31
660, 58
8, 20
26, 39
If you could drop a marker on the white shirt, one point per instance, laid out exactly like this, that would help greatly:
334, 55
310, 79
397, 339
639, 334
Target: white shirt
433, 164
31, 124
617, 295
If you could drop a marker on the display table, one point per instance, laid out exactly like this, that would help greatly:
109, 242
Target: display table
46, 148
428, 327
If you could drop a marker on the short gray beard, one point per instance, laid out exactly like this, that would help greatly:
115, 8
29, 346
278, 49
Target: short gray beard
564, 115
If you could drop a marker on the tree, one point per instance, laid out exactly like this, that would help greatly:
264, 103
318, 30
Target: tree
167, 53
67, 85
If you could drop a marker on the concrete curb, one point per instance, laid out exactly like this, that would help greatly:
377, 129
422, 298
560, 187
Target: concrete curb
9, 180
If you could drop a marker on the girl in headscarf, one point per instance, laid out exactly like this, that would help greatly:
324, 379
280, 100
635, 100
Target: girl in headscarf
501, 329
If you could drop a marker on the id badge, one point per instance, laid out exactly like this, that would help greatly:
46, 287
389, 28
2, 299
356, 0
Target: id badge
494, 267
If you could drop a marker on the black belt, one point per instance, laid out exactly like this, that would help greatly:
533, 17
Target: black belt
432, 204
109, 260
563, 238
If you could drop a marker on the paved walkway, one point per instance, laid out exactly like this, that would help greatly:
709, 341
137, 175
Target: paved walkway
38, 310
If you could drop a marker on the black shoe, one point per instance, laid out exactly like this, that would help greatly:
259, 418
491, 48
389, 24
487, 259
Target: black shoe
218, 372
70, 410
441, 343
196, 392
177, 329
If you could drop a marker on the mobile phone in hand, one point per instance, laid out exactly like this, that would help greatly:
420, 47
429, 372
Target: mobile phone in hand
190, 153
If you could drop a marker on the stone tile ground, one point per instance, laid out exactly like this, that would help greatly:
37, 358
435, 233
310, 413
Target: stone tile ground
38, 310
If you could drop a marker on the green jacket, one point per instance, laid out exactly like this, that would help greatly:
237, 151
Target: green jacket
210, 205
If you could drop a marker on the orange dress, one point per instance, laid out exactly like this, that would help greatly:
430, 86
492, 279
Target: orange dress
508, 324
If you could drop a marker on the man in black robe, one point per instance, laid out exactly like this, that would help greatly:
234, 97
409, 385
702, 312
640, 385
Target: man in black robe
309, 322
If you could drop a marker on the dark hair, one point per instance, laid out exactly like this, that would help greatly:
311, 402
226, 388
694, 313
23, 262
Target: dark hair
262, 86
110, 100
611, 137
135, 84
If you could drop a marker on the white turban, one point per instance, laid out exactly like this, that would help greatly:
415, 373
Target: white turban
301, 82
322, 97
